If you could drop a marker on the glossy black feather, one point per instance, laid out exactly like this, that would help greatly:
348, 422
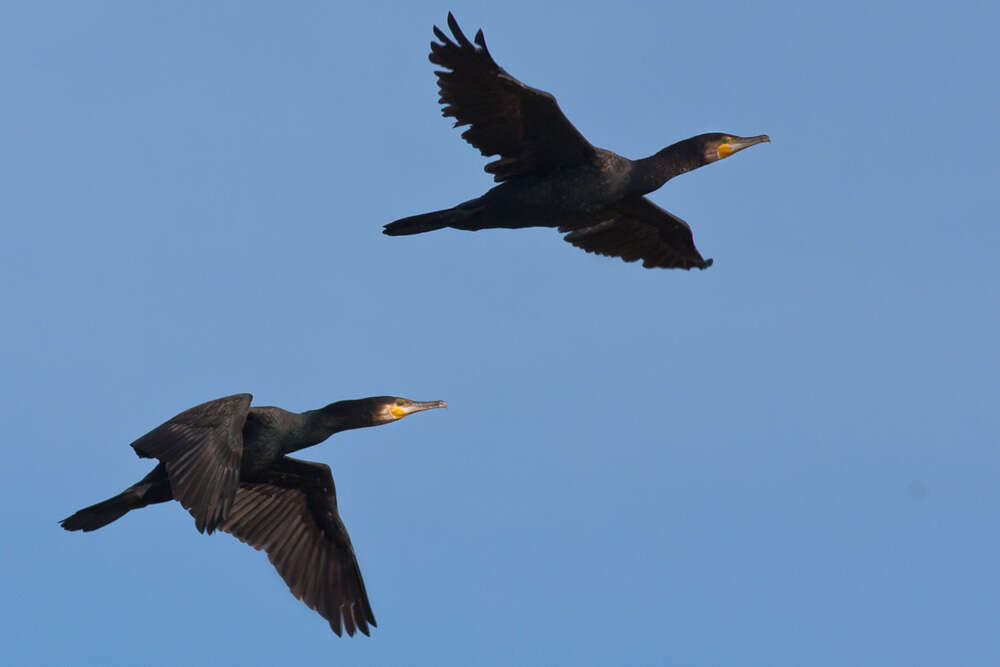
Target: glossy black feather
202, 450
521, 124
313, 554
226, 462
639, 229
549, 175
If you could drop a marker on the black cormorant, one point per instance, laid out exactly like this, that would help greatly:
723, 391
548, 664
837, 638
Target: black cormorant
550, 175
226, 463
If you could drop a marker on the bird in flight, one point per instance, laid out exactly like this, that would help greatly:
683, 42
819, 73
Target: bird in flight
549, 175
227, 464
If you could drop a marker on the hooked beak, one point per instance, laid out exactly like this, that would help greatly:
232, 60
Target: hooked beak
739, 143
400, 411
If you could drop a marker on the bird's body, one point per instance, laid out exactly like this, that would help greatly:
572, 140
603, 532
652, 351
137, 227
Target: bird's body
227, 463
586, 188
550, 175
561, 198
267, 434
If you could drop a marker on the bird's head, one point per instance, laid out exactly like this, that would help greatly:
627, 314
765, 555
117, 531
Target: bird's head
385, 409
716, 145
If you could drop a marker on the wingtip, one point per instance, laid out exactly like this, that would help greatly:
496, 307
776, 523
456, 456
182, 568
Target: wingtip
463, 41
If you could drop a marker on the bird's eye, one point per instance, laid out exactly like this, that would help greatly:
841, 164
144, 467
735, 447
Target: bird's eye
725, 140
399, 402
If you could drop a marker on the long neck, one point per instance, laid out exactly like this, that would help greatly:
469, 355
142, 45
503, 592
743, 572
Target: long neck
652, 172
315, 426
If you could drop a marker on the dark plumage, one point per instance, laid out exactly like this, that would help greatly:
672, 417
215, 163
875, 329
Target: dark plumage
550, 175
226, 463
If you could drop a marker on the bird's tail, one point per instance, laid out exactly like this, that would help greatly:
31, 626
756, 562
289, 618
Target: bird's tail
103, 513
426, 222
153, 488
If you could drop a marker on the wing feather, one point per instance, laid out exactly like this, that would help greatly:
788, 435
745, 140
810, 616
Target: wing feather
202, 449
521, 124
639, 229
291, 513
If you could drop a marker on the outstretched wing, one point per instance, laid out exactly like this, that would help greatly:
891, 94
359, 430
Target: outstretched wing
291, 513
523, 125
639, 229
202, 449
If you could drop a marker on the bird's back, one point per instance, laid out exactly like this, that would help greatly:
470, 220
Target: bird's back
264, 435
593, 185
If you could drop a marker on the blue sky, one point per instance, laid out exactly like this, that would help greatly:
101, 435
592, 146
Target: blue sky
790, 458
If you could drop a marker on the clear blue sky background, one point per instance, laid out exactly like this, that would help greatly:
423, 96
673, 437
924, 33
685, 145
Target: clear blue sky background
788, 459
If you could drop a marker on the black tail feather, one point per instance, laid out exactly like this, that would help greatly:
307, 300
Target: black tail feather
425, 222
153, 488
101, 514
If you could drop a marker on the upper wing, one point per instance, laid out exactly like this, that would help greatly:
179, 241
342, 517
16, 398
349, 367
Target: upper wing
523, 125
639, 229
291, 513
202, 449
